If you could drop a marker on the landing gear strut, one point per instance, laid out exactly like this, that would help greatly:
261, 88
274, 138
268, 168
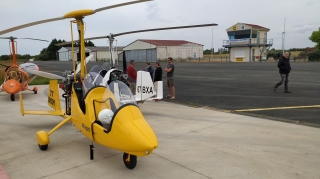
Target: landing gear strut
12, 97
130, 161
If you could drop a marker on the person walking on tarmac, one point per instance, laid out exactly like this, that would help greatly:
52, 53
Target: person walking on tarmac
132, 76
284, 70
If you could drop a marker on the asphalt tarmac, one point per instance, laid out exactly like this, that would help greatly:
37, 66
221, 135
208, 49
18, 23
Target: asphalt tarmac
231, 87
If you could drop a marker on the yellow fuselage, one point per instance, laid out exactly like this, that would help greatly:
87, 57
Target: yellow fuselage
129, 131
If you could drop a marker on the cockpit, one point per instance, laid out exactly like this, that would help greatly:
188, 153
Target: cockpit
99, 76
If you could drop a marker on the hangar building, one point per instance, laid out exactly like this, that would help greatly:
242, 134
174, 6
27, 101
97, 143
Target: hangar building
247, 42
100, 53
153, 50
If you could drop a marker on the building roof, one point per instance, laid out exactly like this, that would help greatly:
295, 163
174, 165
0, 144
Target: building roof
95, 49
167, 42
256, 26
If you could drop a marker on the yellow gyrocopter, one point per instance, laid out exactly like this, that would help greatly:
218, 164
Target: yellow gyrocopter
95, 110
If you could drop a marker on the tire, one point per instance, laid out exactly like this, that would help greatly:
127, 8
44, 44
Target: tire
35, 92
130, 164
12, 97
43, 147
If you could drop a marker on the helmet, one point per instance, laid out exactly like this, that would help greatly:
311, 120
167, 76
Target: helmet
105, 116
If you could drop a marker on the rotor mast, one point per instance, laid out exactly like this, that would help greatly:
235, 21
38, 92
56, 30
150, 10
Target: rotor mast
82, 48
111, 39
14, 56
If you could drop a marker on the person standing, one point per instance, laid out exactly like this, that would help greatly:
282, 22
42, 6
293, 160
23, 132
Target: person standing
170, 79
284, 70
132, 76
157, 75
149, 69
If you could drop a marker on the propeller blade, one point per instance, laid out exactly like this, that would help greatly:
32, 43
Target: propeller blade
35, 39
4, 65
30, 24
46, 74
118, 5
87, 60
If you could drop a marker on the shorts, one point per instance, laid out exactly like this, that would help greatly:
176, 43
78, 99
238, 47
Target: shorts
170, 81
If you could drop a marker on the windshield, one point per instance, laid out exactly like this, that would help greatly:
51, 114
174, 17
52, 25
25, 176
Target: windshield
106, 66
122, 93
92, 79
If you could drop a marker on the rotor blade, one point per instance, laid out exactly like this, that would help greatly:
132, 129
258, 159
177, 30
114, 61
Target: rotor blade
30, 24
166, 28
46, 74
4, 37
138, 31
118, 5
35, 39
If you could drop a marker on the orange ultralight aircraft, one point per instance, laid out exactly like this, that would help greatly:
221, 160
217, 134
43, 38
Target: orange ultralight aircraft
16, 78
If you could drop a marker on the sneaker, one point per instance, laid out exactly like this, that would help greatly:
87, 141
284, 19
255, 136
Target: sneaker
274, 89
287, 91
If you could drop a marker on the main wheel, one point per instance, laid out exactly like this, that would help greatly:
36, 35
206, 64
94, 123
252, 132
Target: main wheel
43, 147
35, 92
130, 164
12, 97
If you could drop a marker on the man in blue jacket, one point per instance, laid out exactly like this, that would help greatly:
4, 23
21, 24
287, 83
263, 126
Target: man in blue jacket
284, 70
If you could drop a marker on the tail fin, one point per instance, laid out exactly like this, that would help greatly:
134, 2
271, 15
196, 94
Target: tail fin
53, 96
144, 86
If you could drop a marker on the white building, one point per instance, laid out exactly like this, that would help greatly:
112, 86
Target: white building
247, 42
153, 50
101, 53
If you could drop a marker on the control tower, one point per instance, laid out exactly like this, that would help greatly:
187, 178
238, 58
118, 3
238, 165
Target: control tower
247, 43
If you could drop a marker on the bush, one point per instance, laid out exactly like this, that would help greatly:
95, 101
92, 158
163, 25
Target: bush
314, 56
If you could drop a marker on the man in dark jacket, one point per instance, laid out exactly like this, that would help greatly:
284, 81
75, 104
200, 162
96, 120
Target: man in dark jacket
284, 70
158, 72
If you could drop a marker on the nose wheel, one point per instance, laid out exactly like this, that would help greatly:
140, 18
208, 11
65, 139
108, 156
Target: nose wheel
130, 161
12, 97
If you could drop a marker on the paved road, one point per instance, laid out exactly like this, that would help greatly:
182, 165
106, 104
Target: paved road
236, 86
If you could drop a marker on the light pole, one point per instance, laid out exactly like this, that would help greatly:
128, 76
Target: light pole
211, 45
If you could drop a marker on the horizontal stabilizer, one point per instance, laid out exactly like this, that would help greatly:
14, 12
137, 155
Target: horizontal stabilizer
37, 112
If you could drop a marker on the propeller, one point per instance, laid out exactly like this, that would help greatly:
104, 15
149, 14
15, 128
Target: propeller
73, 14
46, 74
4, 65
138, 31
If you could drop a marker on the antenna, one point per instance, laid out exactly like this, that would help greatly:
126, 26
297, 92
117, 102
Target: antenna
283, 35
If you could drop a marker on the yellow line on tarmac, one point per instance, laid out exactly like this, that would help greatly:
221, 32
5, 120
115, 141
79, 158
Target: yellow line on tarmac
265, 109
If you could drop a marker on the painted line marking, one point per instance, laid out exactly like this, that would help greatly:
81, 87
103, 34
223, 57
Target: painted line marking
277, 108
3, 174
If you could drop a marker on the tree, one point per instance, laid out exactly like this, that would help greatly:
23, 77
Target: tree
89, 43
207, 51
315, 37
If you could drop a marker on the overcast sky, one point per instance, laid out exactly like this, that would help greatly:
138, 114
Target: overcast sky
302, 17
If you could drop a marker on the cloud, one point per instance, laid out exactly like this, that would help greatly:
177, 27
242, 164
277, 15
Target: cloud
302, 29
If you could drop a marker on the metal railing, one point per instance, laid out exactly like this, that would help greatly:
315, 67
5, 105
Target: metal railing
252, 41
